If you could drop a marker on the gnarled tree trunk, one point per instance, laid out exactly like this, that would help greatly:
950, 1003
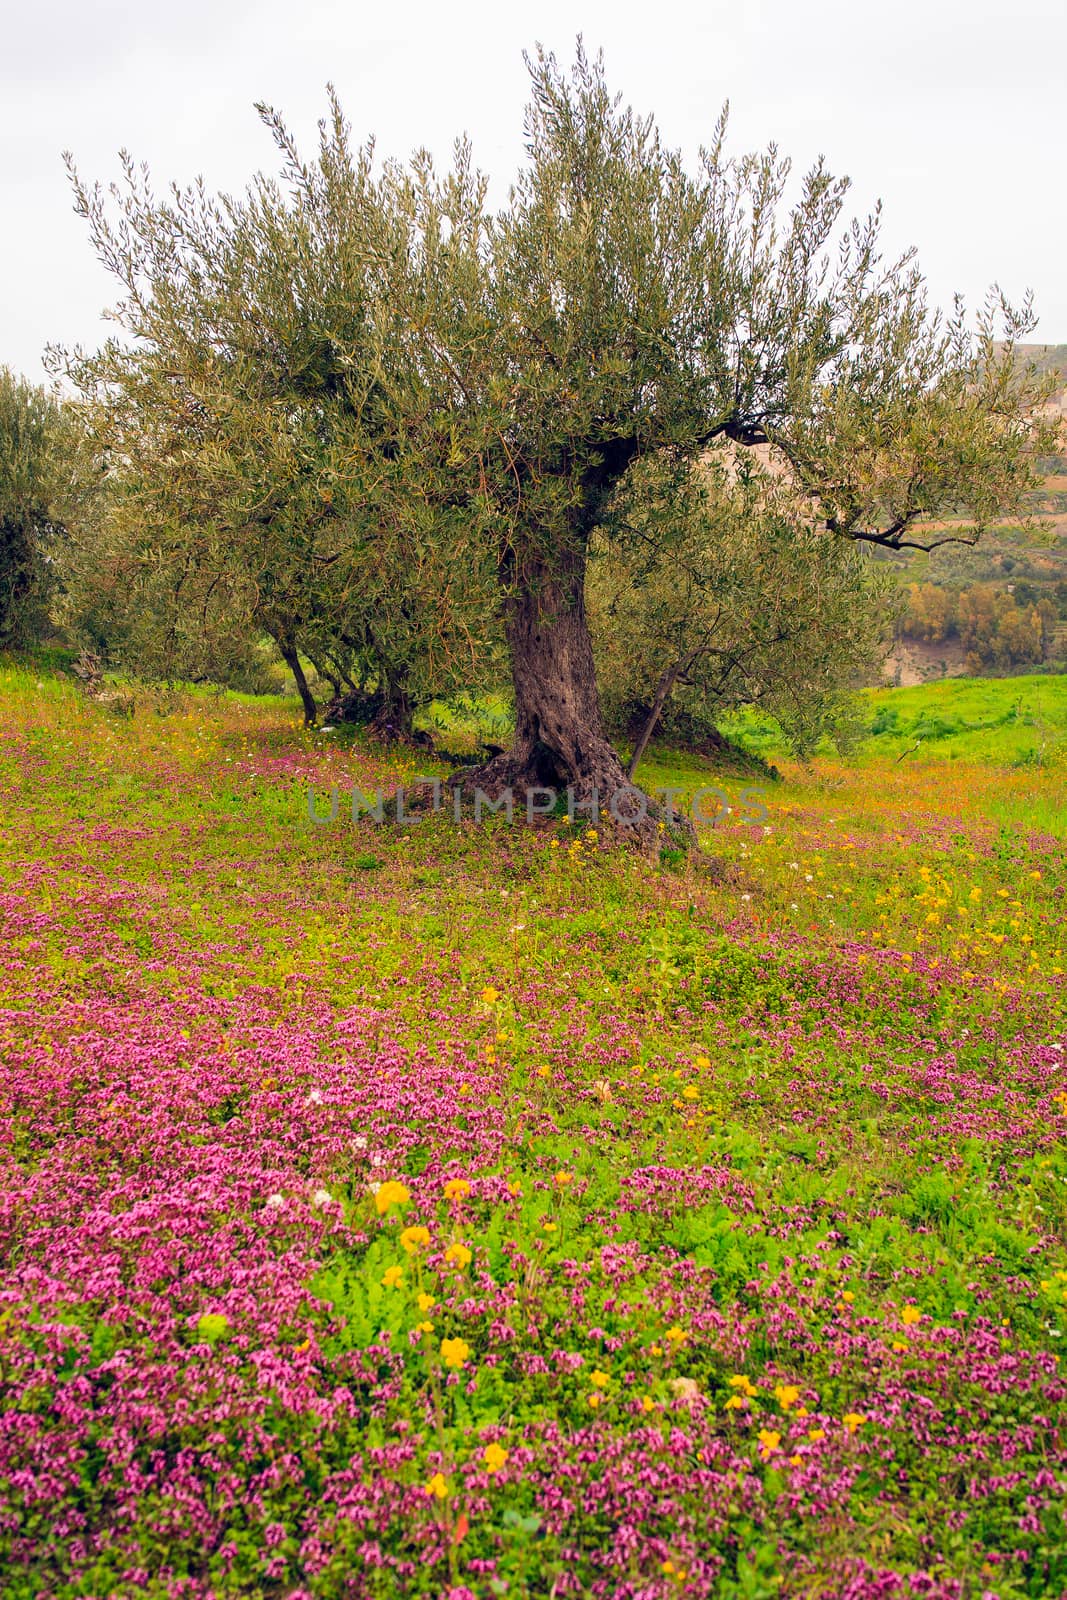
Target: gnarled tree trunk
559, 731
560, 741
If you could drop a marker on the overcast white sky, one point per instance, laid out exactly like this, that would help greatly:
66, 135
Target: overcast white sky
952, 111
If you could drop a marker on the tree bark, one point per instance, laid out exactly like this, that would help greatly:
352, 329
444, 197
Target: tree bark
287, 647
668, 678
560, 742
559, 732
393, 719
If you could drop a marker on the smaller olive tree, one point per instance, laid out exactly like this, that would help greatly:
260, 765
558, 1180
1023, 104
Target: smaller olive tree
714, 586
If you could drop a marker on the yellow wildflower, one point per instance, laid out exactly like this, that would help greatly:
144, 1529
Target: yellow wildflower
769, 1440
390, 1194
436, 1487
494, 1457
454, 1352
426, 1301
490, 996
414, 1239
676, 1335
786, 1394
457, 1189
815, 1434
853, 1420
393, 1276
599, 1379
458, 1255
910, 1315
562, 1179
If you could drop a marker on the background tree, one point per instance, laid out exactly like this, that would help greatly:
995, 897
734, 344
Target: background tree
996, 628
721, 591
39, 480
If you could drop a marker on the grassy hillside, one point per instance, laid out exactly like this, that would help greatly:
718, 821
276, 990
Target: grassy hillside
1015, 722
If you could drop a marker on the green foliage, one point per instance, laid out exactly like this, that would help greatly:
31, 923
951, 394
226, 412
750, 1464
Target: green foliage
37, 455
995, 628
212, 1327
263, 434
719, 590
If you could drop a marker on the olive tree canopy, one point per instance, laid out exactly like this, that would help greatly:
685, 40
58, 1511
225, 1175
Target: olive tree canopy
355, 374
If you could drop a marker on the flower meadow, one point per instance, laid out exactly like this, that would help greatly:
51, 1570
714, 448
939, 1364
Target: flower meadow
473, 1211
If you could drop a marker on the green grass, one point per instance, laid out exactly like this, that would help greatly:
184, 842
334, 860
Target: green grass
998, 721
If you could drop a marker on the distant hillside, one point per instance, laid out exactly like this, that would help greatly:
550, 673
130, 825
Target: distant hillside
1005, 597
1046, 357
1051, 358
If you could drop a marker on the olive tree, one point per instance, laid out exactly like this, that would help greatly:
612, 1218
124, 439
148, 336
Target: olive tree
640, 309
720, 590
356, 374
